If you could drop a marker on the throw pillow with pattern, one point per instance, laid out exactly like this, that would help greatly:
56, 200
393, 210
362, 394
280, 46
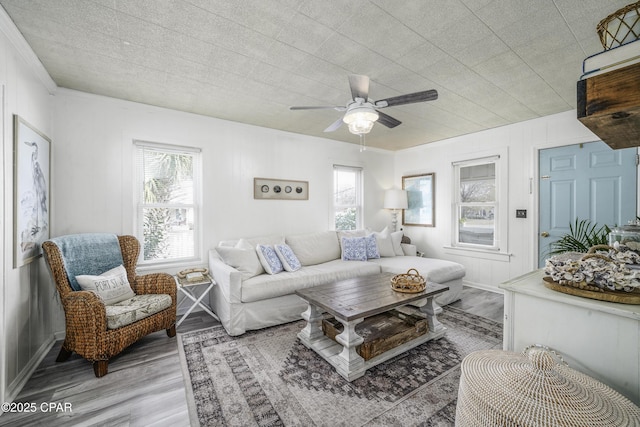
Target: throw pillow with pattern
289, 260
372, 247
269, 259
354, 249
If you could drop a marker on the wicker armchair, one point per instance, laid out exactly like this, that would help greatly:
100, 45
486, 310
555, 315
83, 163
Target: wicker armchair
85, 315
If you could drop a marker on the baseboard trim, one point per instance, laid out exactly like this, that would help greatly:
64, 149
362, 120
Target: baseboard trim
16, 385
483, 287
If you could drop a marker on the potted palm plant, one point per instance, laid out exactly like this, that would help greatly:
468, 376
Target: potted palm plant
582, 235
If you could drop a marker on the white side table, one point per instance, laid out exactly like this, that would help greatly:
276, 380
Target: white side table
187, 289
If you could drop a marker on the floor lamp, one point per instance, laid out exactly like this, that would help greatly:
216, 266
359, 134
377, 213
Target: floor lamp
395, 199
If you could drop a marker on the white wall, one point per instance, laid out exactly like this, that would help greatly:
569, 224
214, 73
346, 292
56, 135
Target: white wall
27, 299
93, 154
521, 143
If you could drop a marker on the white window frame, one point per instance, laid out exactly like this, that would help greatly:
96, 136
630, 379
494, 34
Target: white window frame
139, 204
359, 195
500, 204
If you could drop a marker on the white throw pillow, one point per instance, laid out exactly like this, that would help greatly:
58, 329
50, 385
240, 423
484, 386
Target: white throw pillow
385, 246
269, 259
112, 286
354, 248
289, 260
396, 240
242, 257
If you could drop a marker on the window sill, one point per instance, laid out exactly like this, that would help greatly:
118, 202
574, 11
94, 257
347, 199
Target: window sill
478, 253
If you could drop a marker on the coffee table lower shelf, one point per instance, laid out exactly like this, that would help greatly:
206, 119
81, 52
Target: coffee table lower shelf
342, 351
331, 351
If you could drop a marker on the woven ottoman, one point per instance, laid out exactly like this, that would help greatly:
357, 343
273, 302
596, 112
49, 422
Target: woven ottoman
535, 388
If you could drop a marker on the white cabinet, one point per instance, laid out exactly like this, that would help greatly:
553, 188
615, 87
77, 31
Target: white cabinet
600, 339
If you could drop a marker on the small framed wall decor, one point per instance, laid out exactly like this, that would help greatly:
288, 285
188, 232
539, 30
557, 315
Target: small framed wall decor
32, 154
280, 189
421, 200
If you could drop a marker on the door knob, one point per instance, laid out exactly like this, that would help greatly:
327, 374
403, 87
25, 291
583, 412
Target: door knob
544, 234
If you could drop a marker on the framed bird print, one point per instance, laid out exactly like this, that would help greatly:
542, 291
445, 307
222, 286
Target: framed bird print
31, 196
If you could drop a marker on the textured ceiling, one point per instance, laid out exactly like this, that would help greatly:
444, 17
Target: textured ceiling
492, 62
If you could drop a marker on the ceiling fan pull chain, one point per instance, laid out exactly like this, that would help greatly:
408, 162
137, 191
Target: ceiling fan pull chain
363, 146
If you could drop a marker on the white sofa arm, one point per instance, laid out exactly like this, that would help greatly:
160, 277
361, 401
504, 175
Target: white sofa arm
228, 278
409, 249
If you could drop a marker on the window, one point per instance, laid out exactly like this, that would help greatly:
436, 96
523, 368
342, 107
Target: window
167, 197
476, 203
347, 197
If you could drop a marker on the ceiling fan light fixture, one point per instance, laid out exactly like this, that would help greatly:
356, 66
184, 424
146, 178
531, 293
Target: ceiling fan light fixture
360, 120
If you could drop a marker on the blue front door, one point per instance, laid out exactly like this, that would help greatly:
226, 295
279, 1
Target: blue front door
585, 181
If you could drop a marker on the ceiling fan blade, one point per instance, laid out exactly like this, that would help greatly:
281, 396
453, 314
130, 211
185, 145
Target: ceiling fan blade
359, 86
387, 120
320, 107
334, 126
410, 98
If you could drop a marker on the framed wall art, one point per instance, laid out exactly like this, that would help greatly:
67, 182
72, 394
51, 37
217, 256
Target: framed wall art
421, 200
32, 157
280, 189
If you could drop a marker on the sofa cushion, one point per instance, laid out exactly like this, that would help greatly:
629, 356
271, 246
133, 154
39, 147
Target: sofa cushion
435, 270
111, 286
289, 260
315, 248
275, 239
266, 286
269, 259
133, 309
354, 248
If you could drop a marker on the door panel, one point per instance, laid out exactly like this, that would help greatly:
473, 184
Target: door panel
605, 206
563, 202
584, 181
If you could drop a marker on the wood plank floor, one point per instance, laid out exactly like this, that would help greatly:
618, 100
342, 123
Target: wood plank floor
144, 386
482, 303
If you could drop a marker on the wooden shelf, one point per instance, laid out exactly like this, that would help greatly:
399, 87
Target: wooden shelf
609, 105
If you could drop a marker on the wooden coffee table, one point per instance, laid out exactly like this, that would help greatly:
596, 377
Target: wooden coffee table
350, 302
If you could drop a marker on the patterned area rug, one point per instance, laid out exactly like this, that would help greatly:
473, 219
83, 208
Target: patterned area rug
268, 378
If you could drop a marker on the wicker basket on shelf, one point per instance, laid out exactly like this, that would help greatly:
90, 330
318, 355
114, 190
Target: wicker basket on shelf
622, 26
410, 282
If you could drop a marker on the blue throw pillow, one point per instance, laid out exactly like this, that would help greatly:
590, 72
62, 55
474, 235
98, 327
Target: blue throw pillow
289, 260
372, 247
269, 259
354, 249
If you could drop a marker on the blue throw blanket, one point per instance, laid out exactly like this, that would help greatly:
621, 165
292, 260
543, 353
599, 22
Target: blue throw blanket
89, 253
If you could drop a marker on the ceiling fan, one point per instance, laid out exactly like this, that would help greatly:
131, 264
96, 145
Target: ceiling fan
361, 112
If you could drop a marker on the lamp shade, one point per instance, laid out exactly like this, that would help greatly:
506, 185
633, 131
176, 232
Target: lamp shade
395, 199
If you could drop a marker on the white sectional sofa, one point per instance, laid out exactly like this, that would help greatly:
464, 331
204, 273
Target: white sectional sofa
247, 298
